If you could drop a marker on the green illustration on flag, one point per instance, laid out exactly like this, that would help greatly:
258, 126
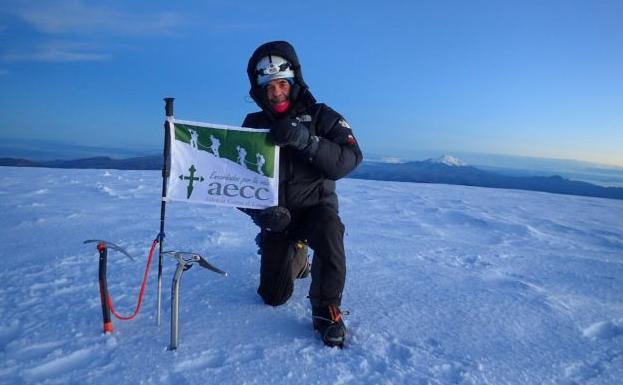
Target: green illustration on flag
223, 165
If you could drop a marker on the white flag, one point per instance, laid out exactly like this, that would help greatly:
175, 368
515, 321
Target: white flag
223, 165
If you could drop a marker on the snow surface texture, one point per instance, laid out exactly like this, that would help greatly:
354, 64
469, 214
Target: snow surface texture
446, 285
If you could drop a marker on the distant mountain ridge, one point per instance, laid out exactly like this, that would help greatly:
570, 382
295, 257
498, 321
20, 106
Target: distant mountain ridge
45, 150
152, 162
435, 171
445, 169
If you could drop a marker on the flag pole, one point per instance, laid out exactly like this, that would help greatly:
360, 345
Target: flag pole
166, 171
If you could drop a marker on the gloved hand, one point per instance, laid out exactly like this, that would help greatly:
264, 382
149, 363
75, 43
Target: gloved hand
289, 132
274, 219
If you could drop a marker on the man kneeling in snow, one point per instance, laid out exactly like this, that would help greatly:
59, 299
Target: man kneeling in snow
317, 148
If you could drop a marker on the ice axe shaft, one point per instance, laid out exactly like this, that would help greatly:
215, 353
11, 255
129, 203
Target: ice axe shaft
175, 306
103, 259
185, 260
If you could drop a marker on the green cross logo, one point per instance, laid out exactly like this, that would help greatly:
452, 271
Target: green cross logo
190, 178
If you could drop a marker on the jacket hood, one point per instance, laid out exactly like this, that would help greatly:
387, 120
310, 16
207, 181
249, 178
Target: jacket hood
299, 95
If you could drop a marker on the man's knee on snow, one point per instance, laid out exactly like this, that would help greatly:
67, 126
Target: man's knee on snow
275, 298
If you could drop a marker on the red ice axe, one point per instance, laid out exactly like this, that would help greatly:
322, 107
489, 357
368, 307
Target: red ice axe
102, 248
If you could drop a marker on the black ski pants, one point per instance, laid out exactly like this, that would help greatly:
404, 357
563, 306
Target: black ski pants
323, 230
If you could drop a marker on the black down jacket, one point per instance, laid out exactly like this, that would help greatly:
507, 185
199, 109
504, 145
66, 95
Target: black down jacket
305, 181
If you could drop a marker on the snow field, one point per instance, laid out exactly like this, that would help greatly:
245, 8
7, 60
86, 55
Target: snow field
445, 285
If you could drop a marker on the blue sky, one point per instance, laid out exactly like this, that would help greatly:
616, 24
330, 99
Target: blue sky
535, 78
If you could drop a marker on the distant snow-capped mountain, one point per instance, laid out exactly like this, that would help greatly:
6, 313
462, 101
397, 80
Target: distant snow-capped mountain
448, 160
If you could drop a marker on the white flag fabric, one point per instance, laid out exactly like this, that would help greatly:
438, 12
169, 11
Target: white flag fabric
222, 165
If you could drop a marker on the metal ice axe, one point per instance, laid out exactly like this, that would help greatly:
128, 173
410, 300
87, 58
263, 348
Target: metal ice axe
183, 264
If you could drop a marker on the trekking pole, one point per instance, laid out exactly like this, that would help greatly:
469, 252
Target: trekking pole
183, 264
166, 171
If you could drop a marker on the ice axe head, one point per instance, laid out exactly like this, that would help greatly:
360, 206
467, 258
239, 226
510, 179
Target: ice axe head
106, 244
188, 258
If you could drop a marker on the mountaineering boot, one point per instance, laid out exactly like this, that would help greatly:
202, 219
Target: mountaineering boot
328, 322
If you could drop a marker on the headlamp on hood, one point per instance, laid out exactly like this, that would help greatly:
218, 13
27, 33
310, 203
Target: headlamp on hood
273, 67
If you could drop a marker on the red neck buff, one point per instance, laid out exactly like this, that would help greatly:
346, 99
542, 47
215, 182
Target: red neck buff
282, 107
